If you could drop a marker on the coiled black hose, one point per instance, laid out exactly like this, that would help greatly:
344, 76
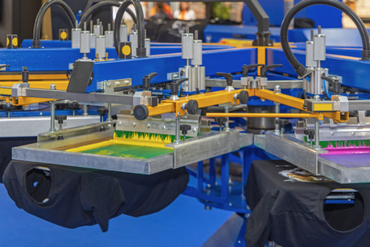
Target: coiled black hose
100, 5
40, 15
141, 51
300, 68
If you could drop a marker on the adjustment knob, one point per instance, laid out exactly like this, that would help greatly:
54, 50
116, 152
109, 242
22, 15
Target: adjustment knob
102, 111
228, 77
147, 79
243, 97
265, 68
185, 128
74, 105
310, 134
141, 112
60, 118
192, 107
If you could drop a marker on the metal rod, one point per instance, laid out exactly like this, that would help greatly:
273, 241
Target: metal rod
225, 177
317, 134
227, 120
277, 111
85, 111
52, 117
177, 130
109, 112
269, 115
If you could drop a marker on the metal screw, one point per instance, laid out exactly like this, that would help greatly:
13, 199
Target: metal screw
332, 133
120, 123
236, 96
277, 89
40, 113
183, 106
53, 87
353, 133
163, 127
178, 114
230, 204
317, 97
148, 126
194, 129
109, 84
126, 82
117, 83
133, 124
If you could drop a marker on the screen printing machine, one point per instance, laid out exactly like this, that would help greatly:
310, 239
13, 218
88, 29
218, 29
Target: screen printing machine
211, 108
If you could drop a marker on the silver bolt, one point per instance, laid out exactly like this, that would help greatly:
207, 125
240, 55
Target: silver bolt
239, 242
53, 87
133, 124
230, 204
236, 97
317, 97
126, 82
194, 129
116, 83
120, 123
178, 114
148, 126
183, 106
332, 133
109, 84
353, 133
277, 89
163, 127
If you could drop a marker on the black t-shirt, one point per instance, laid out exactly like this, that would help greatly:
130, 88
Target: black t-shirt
74, 197
293, 213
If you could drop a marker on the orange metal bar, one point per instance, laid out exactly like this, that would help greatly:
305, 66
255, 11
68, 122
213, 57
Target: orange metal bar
35, 77
268, 115
204, 100
60, 84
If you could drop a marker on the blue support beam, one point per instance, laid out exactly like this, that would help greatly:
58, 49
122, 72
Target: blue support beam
352, 69
226, 60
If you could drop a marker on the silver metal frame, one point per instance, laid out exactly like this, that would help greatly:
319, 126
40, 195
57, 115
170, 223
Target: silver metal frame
299, 153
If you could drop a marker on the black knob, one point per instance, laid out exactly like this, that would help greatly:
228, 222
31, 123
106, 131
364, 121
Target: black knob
147, 79
102, 111
247, 68
74, 105
334, 82
192, 107
25, 74
228, 77
265, 68
141, 112
60, 118
175, 85
310, 134
4, 66
243, 97
185, 129
220, 120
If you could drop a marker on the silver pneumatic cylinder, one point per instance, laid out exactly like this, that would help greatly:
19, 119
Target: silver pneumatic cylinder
76, 36
100, 47
109, 40
199, 71
134, 41
85, 42
187, 46
123, 33
187, 53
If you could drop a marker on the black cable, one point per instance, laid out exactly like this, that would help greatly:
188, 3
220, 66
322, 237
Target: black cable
300, 68
40, 16
86, 16
141, 51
